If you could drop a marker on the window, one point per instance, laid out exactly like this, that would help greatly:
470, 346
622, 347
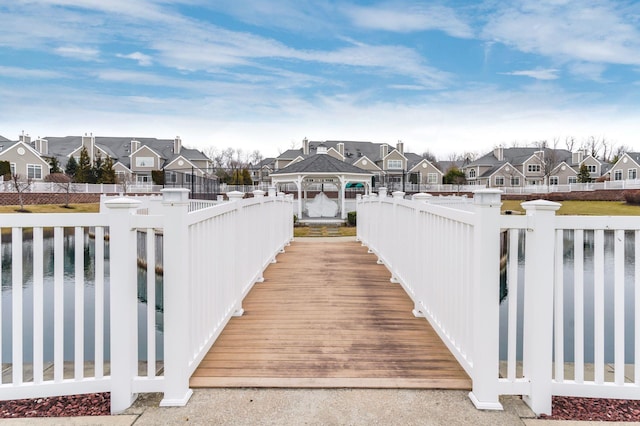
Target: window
591, 168
515, 181
34, 171
394, 164
553, 180
13, 169
472, 174
188, 177
499, 180
432, 178
143, 179
617, 175
632, 174
170, 177
534, 168
144, 162
573, 179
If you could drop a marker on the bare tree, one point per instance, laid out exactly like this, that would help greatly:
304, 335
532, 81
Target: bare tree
593, 146
126, 181
550, 159
63, 184
20, 185
429, 156
255, 157
569, 143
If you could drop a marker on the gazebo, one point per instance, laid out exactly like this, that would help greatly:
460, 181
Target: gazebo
322, 169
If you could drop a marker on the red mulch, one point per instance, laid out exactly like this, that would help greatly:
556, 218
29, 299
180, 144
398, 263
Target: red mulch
92, 404
595, 409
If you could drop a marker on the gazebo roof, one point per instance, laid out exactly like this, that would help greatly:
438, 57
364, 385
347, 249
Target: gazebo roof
321, 163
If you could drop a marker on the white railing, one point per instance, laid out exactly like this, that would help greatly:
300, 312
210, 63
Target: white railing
42, 309
561, 335
78, 188
212, 257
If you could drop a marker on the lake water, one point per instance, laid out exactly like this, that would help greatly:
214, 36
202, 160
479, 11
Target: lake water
69, 295
568, 295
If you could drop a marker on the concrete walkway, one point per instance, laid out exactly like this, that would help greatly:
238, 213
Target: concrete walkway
315, 407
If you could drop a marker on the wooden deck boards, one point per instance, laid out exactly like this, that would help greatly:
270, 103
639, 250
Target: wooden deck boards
327, 316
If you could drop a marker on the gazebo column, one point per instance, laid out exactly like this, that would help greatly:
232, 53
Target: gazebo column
299, 186
343, 185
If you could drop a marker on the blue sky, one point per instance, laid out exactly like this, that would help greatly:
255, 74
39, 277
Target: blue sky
441, 76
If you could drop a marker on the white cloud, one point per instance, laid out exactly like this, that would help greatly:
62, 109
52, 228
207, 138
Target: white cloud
588, 71
465, 120
16, 72
572, 30
403, 18
76, 52
143, 60
538, 74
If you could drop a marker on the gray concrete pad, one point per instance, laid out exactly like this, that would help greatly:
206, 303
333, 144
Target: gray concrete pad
84, 421
326, 407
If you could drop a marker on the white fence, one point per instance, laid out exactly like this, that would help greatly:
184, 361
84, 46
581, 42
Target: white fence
449, 260
212, 257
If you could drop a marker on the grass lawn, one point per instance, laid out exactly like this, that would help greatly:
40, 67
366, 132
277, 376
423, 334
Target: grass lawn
54, 208
345, 231
584, 208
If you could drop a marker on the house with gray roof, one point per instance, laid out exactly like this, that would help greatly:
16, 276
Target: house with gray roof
133, 158
386, 163
626, 168
516, 167
24, 160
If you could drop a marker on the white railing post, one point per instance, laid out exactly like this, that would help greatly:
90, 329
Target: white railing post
177, 286
123, 302
421, 196
486, 299
537, 351
236, 247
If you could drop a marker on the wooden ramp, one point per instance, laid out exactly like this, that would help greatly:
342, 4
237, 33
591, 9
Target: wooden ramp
328, 316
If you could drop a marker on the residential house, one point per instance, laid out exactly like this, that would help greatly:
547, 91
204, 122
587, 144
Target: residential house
388, 164
261, 172
626, 168
25, 161
133, 158
516, 167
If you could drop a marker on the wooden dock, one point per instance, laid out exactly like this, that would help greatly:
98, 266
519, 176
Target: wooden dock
328, 316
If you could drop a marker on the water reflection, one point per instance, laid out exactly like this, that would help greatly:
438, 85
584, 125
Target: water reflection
69, 297
588, 297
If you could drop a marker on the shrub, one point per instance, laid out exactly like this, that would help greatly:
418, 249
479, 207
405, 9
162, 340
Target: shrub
632, 196
351, 218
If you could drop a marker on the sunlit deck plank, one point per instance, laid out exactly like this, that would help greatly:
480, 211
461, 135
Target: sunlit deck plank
327, 316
